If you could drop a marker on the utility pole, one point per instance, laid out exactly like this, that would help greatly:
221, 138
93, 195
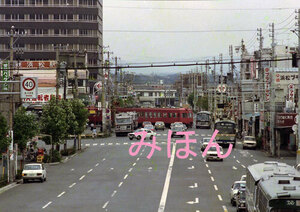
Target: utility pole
298, 151
261, 78
242, 78
116, 77
75, 75
57, 72
232, 81
221, 69
272, 99
215, 88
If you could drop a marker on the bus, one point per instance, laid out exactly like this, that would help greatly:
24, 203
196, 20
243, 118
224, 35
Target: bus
203, 120
270, 186
227, 132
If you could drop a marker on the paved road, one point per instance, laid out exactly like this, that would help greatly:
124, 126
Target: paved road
106, 178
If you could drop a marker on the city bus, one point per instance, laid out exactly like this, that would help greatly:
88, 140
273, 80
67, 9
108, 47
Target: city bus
269, 187
203, 119
227, 132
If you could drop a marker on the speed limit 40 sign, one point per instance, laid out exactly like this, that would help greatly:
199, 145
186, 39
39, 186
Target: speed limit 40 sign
29, 87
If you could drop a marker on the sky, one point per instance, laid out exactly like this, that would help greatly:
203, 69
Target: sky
187, 29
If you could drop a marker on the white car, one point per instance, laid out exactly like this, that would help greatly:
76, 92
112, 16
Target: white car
204, 142
149, 134
249, 142
243, 178
212, 154
237, 185
34, 171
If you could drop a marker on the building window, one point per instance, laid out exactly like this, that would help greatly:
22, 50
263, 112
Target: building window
7, 2
21, 16
32, 2
32, 17
45, 16
56, 31
70, 16
45, 2
56, 16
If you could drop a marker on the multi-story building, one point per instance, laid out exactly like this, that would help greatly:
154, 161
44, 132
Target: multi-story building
41, 26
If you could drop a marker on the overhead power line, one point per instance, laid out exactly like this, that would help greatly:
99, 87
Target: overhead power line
182, 31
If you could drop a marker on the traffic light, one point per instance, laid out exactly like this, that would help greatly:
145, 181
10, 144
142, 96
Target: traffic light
294, 60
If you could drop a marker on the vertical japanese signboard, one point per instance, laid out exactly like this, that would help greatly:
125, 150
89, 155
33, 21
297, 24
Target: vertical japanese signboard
5, 75
291, 92
267, 84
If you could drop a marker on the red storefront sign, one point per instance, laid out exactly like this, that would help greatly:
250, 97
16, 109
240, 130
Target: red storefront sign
285, 120
267, 85
37, 64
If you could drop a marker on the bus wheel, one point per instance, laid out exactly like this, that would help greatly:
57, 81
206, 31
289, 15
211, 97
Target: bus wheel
151, 137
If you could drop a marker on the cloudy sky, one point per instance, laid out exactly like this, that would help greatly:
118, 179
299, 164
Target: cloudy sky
161, 31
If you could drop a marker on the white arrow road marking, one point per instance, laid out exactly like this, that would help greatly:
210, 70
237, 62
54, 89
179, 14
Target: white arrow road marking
164, 195
220, 198
192, 167
194, 186
62, 193
90, 170
72, 170
234, 168
193, 202
45, 206
103, 159
111, 168
104, 206
216, 188
70, 186
83, 176
233, 156
113, 194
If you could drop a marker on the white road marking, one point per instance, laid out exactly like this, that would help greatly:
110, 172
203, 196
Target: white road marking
97, 164
209, 171
243, 166
206, 165
216, 188
70, 186
109, 143
251, 156
130, 170
202, 134
62, 193
90, 170
220, 198
102, 144
254, 160
238, 161
141, 153
197, 135
125, 176
158, 134
113, 194
233, 156
126, 143
95, 144
120, 184
194, 186
72, 170
104, 206
137, 159
224, 208
117, 143
163, 142
193, 202
45, 206
87, 144
208, 135
83, 176
202, 156
212, 179
103, 159
134, 164
164, 134
111, 168
234, 168
192, 167
164, 195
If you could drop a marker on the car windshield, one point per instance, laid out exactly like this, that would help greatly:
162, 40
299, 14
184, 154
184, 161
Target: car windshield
239, 185
146, 122
249, 138
148, 127
32, 167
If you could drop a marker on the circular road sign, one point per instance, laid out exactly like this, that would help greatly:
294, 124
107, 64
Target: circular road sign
28, 84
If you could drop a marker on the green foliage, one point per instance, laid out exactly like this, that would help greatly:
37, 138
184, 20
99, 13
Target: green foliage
4, 140
81, 114
129, 102
25, 127
56, 156
54, 121
68, 152
191, 99
203, 103
72, 124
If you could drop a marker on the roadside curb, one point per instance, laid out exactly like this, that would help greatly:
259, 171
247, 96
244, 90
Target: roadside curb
8, 187
68, 157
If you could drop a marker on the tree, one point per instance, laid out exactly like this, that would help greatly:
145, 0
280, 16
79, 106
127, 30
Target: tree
54, 122
4, 139
191, 99
81, 115
203, 103
25, 127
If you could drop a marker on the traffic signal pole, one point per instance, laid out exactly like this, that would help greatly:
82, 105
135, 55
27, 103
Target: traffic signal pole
298, 151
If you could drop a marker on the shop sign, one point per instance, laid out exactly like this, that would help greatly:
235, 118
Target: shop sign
267, 85
285, 119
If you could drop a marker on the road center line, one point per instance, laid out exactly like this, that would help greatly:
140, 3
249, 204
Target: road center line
164, 195
216, 188
224, 208
83, 176
120, 184
97, 164
220, 198
104, 206
62, 193
212, 179
103, 159
134, 164
90, 170
70, 186
113, 194
130, 170
234, 168
243, 166
209, 171
45, 206
125, 176
206, 165
238, 161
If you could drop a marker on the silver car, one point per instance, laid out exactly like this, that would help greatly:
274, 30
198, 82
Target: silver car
237, 185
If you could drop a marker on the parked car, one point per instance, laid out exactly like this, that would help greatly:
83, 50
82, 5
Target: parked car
212, 154
236, 186
241, 200
159, 125
204, 142
176, 129
34, 171
149, 127
146, 123
249, 142
149, 134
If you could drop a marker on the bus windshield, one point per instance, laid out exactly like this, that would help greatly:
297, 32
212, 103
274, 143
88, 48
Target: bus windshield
123, 120
225, 128
202, 117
